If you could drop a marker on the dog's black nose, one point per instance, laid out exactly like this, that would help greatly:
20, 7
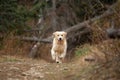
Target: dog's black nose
57, 62
60, 38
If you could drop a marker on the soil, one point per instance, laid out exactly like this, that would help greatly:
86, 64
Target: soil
89, 66
16, 68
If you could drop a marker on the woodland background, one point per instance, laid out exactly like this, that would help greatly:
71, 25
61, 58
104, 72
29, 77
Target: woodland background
93, 28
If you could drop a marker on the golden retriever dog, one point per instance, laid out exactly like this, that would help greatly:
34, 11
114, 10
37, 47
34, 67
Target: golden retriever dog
59, 47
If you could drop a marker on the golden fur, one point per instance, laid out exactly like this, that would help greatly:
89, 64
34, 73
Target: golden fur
59, 46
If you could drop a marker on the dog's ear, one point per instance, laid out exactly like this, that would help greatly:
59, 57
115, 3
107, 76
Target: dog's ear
65, 33
54, 34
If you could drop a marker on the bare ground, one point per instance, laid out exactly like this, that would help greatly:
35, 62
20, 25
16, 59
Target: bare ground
14, 68
91, 66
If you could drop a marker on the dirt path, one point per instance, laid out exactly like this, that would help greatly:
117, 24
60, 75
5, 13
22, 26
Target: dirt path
28, 69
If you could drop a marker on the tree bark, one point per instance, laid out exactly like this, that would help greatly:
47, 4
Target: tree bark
34, 50
54, 22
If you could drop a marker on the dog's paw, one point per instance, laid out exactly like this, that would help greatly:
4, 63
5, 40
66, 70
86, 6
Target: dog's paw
58, 61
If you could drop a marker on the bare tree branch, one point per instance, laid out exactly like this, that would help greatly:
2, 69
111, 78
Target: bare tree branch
75, 28
35, 39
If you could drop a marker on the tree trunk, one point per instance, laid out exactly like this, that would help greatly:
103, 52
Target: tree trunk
34, 50
54, 22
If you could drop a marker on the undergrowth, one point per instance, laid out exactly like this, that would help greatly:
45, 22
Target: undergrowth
82, 50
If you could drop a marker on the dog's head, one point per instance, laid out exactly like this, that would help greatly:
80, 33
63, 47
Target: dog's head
60, 35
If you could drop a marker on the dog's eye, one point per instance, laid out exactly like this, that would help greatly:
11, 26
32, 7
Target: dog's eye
57, 35
61, 35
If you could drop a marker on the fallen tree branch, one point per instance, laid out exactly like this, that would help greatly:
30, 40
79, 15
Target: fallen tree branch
75, 28
33, 29
79, 33
35, 39
49, 40
85, 23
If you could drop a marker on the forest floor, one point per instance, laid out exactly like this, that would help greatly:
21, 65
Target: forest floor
78, 68
16, 68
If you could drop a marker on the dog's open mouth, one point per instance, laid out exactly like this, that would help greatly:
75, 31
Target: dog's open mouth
60, 41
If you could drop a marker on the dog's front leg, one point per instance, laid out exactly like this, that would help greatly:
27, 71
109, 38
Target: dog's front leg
63, 54
53, 55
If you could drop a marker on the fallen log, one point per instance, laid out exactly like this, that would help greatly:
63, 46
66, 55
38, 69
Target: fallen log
33, 29
47, 40
73, 29
113, 33
85, 23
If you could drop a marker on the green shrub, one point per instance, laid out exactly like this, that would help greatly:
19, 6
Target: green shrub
82, 51
13, 14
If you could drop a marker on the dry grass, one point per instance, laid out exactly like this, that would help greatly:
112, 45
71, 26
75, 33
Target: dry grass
90, 52
13, 46
111, 48
44, 52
